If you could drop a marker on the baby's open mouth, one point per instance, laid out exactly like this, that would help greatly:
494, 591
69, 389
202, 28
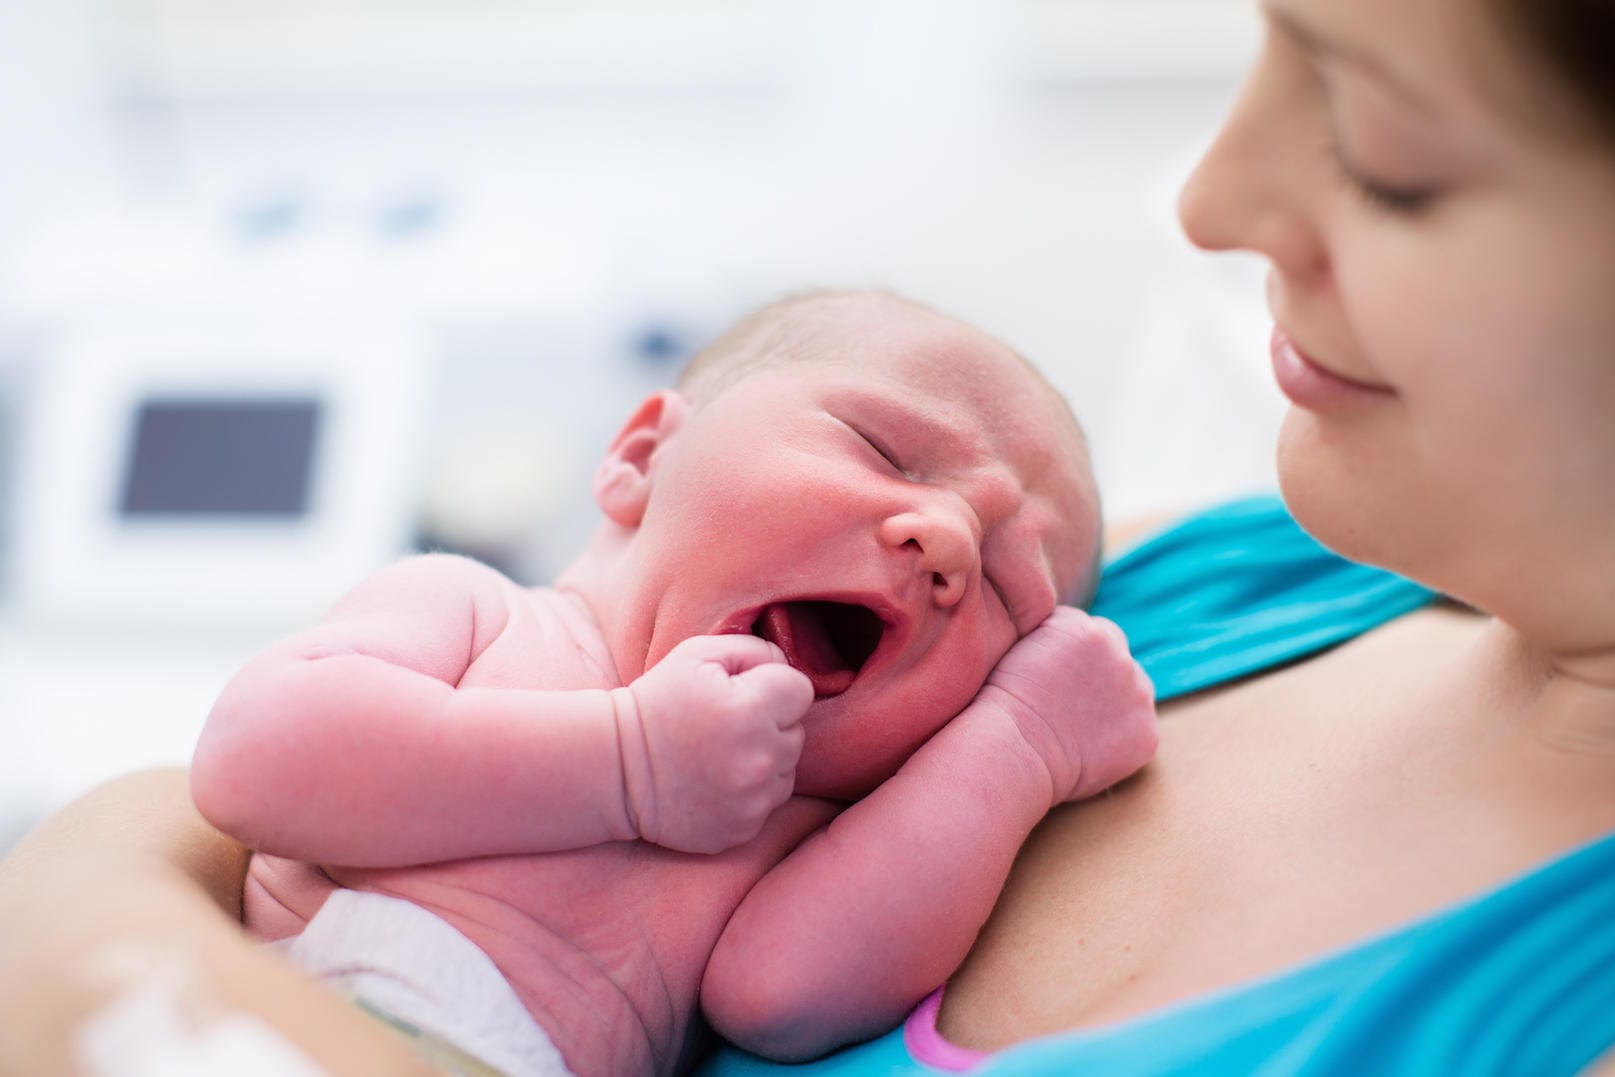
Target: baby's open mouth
828, 641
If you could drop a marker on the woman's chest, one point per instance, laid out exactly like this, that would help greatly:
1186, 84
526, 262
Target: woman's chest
1283, 818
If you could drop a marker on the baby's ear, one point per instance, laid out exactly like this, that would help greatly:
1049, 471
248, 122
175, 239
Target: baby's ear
622, 482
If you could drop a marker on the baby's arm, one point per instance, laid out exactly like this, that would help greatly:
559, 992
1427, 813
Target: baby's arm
850, 931
349, 743
352, 744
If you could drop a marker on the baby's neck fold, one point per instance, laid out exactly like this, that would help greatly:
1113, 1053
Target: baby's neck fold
593, 586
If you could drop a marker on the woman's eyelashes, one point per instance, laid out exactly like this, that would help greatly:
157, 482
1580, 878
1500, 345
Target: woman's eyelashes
1403, 201
1397, 198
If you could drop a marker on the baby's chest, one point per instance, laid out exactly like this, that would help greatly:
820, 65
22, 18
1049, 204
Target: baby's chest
631, 911
639, 889
601, 896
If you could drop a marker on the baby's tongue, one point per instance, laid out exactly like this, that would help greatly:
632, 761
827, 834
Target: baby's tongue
800, 631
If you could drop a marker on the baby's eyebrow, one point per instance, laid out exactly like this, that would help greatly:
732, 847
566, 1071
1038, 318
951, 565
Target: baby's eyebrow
896, 412
919, 428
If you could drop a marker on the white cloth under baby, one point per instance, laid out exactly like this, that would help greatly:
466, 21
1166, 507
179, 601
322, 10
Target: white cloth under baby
411, 965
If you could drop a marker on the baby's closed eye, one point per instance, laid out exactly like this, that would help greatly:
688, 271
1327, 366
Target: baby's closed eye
880, 446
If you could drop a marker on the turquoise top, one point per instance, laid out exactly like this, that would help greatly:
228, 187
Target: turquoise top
1517, 981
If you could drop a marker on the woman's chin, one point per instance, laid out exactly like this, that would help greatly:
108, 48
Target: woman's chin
1366, 505
1319, 490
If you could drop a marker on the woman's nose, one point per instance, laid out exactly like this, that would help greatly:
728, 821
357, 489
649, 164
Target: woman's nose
945, 539
1254, 188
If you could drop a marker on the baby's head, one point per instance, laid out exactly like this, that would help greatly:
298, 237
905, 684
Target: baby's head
816, 325
810, 326
889, 494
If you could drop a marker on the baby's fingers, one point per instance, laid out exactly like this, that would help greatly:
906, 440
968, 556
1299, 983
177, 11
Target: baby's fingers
784, 692
735, 654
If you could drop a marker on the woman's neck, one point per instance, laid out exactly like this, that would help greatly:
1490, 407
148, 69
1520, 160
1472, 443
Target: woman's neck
1560, 704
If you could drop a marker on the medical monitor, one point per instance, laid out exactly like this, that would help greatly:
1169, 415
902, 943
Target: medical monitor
240, 474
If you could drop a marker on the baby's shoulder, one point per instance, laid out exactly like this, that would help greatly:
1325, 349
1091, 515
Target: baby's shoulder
442, 581
443, 568
540, 637
437, 594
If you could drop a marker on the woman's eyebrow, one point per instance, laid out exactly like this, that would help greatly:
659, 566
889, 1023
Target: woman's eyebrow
1320, 44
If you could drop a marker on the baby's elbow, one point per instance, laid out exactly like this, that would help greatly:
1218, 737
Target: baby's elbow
232, 768
768, 1014
221, 788
216, 793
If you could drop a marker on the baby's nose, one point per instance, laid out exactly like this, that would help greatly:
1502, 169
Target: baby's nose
946, 545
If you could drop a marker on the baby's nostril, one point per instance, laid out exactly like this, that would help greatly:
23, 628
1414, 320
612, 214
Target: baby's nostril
939, 580
911, 544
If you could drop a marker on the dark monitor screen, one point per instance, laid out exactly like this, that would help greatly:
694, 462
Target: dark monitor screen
225, 457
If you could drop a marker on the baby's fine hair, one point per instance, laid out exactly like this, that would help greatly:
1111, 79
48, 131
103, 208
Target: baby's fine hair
774, 334
784, 331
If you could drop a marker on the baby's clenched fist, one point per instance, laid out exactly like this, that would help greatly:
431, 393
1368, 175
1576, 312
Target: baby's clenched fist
709, 737
1079, 700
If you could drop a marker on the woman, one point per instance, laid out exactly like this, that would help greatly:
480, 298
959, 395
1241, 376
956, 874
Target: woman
1327, 857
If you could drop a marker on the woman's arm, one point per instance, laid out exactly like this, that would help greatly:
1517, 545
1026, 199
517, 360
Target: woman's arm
137, 822
120, 952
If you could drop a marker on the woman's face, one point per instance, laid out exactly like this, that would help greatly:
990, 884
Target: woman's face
1440, 221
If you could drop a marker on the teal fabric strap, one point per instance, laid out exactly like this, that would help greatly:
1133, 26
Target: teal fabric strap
1240, 589
1520, 982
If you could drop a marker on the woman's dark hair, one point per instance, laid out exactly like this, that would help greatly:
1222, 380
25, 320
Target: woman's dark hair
1577, 39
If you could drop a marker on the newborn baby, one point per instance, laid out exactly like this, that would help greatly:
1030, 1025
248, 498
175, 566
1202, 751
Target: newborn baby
762, 755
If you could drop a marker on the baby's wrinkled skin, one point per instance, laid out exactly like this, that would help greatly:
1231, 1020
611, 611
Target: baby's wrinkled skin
768, 746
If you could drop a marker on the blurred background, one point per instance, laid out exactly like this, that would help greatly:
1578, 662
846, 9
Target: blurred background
289, 287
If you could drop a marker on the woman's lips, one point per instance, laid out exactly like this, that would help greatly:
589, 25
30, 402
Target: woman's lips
1309, 385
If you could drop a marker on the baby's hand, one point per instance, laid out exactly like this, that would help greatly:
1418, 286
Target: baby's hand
1078, 700
710, 737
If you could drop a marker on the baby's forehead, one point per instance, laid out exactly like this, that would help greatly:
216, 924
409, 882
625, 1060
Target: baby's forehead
886, 337
925, 369
971, 385
932, 363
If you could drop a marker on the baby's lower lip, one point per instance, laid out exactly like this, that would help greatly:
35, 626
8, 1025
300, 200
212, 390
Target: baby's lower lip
1309, 385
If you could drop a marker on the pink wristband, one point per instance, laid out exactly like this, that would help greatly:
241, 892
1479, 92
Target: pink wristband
926, 1044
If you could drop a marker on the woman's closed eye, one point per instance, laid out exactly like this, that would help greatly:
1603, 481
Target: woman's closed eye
1346, 130
1405, 200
